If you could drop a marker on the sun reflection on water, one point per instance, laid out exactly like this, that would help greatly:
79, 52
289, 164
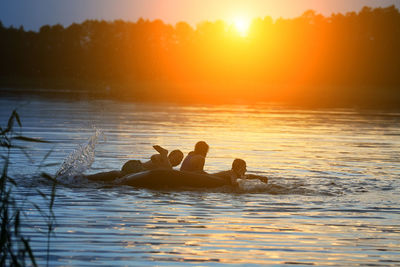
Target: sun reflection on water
337, 171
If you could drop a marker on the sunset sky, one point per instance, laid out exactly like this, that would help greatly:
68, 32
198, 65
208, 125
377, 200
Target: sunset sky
33, 14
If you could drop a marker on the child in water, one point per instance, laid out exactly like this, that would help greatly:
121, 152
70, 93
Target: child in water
163, 160
238, 172
195, 160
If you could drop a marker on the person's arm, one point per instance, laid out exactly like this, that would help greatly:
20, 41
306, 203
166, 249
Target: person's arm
253, 177
161, 150
161, 160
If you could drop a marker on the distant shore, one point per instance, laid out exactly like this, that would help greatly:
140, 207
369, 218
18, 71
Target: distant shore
373, 97
341, 60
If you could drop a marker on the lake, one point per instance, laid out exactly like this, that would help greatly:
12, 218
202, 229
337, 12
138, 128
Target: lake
333, 196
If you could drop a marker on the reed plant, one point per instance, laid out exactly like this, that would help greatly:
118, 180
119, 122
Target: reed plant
15, 247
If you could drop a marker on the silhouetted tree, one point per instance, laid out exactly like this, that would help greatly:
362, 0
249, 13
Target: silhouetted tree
344, 50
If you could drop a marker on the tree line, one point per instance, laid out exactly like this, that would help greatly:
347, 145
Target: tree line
349, 56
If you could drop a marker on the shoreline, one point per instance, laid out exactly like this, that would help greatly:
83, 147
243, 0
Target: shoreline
212, 94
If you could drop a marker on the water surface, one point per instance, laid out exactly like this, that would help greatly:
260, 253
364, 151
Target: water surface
333, 197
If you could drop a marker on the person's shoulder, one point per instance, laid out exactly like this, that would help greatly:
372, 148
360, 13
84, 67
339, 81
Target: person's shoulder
254, 177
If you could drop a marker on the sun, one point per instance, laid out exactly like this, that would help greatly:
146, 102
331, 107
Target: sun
242, 25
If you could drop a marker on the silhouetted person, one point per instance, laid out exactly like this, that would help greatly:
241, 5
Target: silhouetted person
195, 160
238, 171
163, 160
157, 161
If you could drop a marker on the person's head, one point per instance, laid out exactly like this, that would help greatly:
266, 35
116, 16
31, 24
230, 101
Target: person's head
239, 167
201, 148
175, 157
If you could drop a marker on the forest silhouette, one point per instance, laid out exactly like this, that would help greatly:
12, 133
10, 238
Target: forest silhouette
341, 60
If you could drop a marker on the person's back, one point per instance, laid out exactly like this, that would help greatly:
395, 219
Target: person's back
226, 175
195, 160
193, 163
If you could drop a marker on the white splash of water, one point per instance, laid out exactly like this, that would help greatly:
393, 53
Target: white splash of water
81, 158
252, 185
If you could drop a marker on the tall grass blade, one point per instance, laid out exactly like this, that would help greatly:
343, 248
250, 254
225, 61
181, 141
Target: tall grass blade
17, 118
47, 154
28, 248
29, 139
11, 180
49, 177
50, 165
9, 146
13, 246
10, 123
16, 223
27, 155
42, 194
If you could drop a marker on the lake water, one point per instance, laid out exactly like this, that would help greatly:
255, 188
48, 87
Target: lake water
333, 197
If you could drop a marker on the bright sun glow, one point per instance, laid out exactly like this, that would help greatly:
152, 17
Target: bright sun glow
242, 25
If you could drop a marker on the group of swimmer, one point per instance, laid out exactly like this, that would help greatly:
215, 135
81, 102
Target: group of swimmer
193, 162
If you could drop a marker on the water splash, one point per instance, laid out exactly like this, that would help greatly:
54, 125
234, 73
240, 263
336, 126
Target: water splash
81, 158
252, 185
274, 188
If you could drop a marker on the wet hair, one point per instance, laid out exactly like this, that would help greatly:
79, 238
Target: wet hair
175, 157
237, 163
201, 148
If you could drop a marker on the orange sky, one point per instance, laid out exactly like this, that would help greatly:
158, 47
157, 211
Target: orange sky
34, 14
